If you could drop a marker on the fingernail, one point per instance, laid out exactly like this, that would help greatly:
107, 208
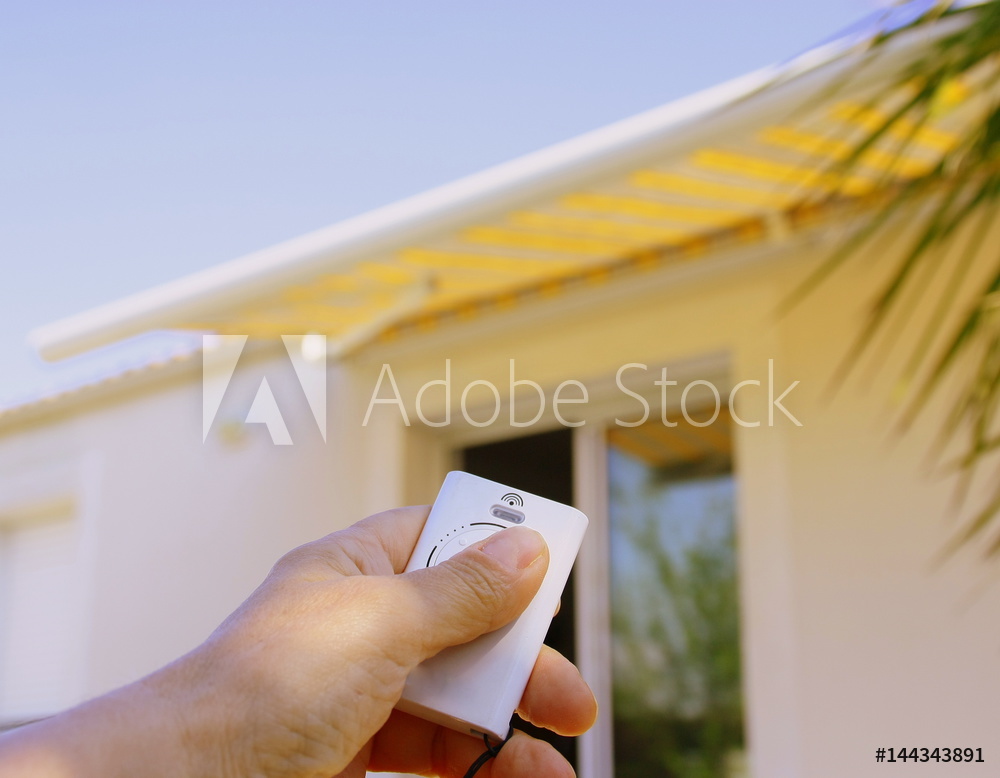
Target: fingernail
515, 548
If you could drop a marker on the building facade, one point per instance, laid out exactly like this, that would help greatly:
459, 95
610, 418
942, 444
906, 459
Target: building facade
734, 498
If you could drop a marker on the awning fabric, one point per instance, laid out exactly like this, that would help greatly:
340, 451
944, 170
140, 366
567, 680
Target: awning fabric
740, 162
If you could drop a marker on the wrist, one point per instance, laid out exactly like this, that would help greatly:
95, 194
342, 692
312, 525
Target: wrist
167, 725
183, 709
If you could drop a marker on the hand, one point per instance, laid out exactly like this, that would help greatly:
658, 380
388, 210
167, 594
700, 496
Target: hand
301, 680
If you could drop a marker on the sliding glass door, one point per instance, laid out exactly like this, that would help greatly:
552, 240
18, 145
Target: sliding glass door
674, 615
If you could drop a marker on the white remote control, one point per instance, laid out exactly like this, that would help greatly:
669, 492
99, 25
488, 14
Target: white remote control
475, 687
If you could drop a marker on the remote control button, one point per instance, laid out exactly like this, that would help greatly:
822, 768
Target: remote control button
458, 543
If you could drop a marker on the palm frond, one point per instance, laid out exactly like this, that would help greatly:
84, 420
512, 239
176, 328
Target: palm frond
960, 193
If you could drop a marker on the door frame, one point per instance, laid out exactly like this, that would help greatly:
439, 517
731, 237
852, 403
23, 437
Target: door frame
595, 748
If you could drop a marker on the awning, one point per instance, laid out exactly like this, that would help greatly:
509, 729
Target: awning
738, 162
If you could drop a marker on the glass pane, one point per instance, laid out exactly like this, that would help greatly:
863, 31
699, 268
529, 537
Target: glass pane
674, 604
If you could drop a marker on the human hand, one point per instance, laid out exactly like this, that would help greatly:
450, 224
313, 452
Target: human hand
329, 638
301, 680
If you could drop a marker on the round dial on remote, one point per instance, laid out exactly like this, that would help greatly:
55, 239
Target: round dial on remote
460, 539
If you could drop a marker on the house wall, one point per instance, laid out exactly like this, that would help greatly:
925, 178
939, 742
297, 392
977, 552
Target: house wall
171, 533
852, 637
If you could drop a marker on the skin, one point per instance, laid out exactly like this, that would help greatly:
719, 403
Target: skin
301, 680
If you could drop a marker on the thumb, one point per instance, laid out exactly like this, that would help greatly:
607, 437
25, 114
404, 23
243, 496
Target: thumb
475, 592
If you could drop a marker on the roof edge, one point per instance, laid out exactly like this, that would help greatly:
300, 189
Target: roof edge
570, 163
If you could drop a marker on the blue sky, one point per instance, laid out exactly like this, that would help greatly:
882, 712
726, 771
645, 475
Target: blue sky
144, 141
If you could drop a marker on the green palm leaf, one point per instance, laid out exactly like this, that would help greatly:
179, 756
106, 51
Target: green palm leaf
961, 191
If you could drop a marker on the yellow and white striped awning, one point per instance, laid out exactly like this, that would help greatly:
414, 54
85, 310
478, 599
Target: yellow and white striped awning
734, 163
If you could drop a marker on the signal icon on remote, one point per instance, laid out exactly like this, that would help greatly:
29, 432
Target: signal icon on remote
513, 499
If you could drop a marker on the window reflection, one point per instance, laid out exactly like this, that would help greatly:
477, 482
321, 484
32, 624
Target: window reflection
674, 603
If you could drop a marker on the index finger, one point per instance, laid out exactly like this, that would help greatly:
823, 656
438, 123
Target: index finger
395, 532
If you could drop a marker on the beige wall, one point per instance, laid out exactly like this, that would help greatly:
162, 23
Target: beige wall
175, 533
852, 639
